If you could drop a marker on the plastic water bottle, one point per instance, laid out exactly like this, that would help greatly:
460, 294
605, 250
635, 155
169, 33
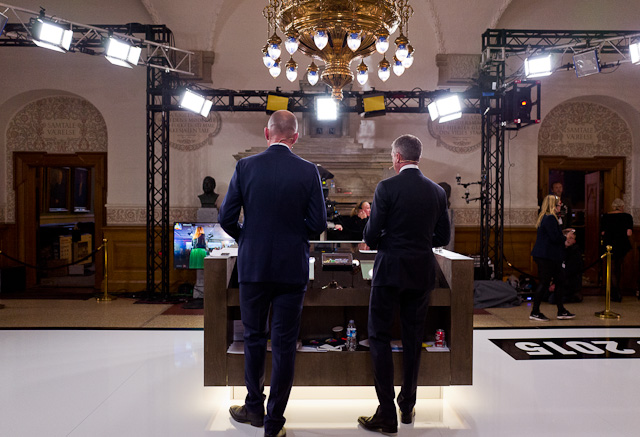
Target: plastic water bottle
352, 336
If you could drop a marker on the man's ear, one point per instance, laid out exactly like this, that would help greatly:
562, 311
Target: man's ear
266, 133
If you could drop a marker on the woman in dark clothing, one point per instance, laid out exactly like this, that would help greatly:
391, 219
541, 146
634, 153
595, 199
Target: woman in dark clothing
353, 226
548, 253
617, 227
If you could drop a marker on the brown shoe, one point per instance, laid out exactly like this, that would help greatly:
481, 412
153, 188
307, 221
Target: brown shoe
377, 424
241, 415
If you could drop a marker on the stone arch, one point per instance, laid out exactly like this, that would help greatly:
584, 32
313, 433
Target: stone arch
52, 123
589, 127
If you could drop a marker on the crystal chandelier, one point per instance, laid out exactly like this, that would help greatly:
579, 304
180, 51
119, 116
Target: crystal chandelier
337, 32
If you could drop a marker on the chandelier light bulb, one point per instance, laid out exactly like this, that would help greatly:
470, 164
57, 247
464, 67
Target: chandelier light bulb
312, 74
273, 46
354, 39
363, 73
291, 42
398, 68
275, 70
408, 61
384, 69
291, 70
382, 41
402, 47
266, 59
321, 38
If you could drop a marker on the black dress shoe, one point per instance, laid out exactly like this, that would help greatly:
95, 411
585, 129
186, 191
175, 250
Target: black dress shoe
240, 414
407, 417
281, 433
375, 423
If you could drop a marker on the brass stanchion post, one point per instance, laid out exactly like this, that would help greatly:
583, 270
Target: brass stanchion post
607, 313
105, 285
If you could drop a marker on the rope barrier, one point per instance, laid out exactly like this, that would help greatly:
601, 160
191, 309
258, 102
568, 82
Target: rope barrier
52, 268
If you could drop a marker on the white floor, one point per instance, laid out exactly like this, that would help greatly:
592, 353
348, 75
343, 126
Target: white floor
150, 383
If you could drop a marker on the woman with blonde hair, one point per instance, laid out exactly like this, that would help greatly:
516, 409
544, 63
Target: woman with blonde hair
617, 227
548, 253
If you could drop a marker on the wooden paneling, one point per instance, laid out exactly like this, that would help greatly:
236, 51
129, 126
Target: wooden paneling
127, 265
519, 241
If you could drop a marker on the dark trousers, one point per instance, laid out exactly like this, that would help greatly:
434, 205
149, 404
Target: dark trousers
413, 312
285, 302
548, 269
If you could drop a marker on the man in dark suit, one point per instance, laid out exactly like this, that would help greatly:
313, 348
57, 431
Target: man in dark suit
408, 217
281, 196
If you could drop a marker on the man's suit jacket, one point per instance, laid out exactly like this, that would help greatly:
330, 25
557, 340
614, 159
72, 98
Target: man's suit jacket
408, 217
281, 195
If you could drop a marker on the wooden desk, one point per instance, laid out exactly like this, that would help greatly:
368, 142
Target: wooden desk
451, 309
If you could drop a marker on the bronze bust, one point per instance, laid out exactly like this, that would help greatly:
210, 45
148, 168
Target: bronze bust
208, 198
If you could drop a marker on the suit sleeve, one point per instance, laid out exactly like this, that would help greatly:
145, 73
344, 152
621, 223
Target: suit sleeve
377, 220
553, 231
442, 231
230, 208
316, 216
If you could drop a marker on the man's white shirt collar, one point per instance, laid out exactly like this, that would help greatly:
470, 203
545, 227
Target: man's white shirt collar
404, 167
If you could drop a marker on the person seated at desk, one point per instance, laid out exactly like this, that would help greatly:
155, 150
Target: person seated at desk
351, 228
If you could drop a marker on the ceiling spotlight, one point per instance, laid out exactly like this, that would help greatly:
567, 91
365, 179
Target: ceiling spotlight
121, 53
446, 109
51, 36
326, 108
538, 66
586, 63
195, 103
634, 52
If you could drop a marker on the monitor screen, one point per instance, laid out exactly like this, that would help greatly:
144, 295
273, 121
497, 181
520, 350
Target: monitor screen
192, 242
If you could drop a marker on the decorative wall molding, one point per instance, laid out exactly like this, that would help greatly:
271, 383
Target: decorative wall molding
463, 135
457, 70
137, 216
58, 124
191, 132
512, 217
587, 130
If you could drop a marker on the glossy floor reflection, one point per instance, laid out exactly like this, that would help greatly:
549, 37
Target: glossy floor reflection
150, 383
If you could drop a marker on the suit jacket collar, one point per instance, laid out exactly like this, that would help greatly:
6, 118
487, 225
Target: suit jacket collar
280, 147
408, 166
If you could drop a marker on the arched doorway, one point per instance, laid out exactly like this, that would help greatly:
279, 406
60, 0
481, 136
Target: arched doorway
587, 146
56, 167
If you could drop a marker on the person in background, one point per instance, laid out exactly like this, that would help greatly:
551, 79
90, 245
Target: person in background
198, 249
572, 267
548, 253
353, 226
617, 227
565, 217
409, 217
281, 195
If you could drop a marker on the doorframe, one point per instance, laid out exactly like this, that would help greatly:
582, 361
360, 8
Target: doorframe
612, 168
25, 179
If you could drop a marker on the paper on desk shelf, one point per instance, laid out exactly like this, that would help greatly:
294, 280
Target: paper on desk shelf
311, 349
431, 347
237, 347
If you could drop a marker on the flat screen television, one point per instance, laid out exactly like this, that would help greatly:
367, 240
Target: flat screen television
193, 241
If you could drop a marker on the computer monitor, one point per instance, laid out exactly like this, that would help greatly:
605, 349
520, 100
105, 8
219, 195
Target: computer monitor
193, 241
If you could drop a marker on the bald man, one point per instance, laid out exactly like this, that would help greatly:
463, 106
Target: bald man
281, 196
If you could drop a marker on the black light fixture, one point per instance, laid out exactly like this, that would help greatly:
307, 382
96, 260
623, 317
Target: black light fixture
586, 63
194, 102
51, 35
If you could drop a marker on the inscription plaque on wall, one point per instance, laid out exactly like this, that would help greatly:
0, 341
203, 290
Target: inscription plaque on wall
459, 136
189, 131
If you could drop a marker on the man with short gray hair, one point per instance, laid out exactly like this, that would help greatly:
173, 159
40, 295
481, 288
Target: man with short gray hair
408, 218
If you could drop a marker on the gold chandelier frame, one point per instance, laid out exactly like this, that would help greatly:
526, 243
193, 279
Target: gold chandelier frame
371, 18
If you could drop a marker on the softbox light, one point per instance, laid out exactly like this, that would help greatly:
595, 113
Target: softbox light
121, 53
195, 103
634, 53
538, 66
326, 108
51, 36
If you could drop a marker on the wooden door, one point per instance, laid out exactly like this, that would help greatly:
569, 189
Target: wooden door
592, 223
